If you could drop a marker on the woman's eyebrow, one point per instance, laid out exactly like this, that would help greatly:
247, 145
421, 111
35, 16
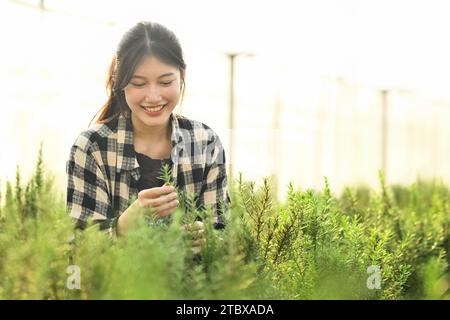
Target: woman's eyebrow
161, 76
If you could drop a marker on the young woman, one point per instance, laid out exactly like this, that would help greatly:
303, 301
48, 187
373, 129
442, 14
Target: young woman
136, 132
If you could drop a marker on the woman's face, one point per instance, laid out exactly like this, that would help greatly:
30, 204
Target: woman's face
153, 92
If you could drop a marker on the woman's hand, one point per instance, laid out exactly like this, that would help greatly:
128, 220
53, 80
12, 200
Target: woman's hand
196, 232
163, 200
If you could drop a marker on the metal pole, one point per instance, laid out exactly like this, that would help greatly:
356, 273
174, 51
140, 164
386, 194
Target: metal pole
384, 129
232, 57
277, 145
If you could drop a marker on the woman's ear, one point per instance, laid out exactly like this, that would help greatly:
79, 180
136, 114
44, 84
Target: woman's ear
182, 77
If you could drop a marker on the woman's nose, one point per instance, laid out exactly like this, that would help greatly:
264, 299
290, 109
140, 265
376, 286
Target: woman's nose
153, 95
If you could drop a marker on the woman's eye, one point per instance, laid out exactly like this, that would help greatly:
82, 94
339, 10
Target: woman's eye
141, 85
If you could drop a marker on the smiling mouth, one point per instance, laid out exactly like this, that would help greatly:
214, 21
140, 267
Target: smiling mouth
154, 109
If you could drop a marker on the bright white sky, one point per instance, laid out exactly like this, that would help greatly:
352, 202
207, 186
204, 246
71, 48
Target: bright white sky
387, 43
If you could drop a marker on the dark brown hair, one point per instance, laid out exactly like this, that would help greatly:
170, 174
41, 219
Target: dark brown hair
145, 39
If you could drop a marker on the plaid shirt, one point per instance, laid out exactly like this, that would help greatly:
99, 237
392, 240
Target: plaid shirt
103, 170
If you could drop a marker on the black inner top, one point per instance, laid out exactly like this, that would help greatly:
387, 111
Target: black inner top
150, 170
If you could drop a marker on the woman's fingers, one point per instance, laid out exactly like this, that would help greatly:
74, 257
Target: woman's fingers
197, 246
166, 212
161, 200
195, 230
198, 242
200, 234
196, 250
167, 207
197, 225
163, 205
198, 231
153, 193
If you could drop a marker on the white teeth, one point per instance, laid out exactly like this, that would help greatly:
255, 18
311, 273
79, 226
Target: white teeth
153, 109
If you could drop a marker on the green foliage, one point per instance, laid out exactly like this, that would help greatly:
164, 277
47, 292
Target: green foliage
313, 245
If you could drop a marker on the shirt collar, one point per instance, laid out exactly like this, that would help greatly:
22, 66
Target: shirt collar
126, 157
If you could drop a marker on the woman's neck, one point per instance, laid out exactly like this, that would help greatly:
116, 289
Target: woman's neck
152, 134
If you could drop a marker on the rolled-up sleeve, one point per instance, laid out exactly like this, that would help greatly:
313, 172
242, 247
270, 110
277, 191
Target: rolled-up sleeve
215, 192
87, 193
